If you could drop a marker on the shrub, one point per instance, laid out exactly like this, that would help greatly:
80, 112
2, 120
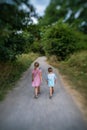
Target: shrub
59, 40
37, 47
15, 44
82, 43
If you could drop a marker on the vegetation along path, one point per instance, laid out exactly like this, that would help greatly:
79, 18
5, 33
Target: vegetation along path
20, 111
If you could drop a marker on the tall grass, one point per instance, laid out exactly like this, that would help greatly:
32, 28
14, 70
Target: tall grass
11, 72
82, 41
76, 70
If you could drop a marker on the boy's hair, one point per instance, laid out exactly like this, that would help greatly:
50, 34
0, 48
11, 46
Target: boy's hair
50, 69
36, 64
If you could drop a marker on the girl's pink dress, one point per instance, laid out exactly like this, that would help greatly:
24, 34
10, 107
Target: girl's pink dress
37, 81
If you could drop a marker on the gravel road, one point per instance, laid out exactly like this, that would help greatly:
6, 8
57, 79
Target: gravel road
20, 111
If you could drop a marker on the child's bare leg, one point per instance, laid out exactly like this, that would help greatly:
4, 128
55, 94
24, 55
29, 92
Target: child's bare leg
50, 91
36, 91
39, 90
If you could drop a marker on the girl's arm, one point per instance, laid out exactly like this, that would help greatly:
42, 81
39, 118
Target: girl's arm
40, 76
32, 77
47, 79
55, 81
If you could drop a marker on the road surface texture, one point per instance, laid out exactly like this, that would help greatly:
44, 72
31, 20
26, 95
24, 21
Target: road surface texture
20, 111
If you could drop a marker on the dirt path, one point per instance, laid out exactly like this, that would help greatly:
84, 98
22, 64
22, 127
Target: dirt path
20, 111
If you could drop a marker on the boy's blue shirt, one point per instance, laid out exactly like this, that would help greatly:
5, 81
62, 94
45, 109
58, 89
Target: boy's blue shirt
51, 79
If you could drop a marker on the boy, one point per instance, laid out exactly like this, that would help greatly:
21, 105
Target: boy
51, 80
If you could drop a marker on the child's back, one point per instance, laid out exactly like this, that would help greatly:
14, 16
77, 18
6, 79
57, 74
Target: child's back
51, 80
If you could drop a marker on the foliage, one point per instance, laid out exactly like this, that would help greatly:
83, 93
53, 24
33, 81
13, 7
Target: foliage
76, 71
37, 47
10, 72
14, 19
69, 11
52, 9
36, 32
29, 39
59, 40
14, 15
14, 45
82, 41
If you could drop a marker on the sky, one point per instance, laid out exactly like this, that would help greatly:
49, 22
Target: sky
40, 6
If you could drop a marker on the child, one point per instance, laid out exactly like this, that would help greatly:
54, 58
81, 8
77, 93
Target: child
51, 80
36, 79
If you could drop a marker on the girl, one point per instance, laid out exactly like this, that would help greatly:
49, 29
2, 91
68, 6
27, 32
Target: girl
36, 79
51, 80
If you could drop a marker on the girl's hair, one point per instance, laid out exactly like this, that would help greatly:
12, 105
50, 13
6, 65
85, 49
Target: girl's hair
36, 64
50, 69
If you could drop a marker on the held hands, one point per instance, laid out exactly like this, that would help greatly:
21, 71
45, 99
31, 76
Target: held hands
41, 79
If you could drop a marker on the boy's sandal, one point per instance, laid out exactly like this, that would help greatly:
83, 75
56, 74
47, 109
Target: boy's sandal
50, 97
35, 96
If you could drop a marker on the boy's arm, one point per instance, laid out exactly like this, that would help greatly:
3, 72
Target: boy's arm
55, 79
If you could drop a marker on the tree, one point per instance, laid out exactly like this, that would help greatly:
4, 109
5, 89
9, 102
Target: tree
13, 18
68, 10
59, 40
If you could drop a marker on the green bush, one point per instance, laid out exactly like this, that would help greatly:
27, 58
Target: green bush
37, 47
13, 19
59, 40
14, 44
11, 47
29, 39
82, 43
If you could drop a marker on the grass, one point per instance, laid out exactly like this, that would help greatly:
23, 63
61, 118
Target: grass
82, 40
75, 69
11, 72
